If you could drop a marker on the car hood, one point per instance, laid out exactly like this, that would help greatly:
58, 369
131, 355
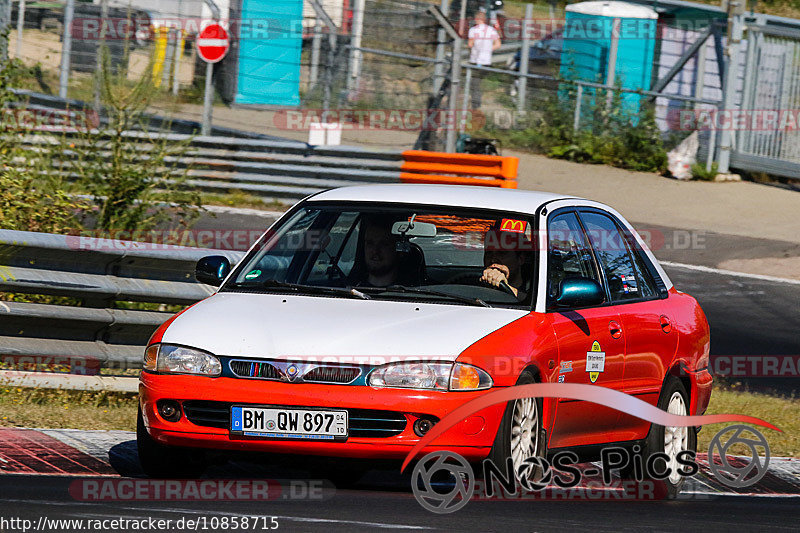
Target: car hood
274, 326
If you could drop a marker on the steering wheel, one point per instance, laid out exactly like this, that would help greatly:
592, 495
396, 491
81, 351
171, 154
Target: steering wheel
505, 287
470, 279
466, 278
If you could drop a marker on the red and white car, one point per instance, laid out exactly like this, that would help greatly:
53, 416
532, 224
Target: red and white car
366, 314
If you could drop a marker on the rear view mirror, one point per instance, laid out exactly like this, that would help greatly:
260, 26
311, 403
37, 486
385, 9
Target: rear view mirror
579, 292
212, 270
414, 229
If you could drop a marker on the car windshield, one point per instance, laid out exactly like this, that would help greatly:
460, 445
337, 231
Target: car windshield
465, 257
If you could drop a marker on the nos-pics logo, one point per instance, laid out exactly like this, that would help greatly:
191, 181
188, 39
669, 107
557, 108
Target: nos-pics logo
444, 482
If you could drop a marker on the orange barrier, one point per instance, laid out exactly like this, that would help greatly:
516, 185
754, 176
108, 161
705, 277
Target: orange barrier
420, 166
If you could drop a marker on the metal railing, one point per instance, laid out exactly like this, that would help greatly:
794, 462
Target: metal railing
286, 170
82, 283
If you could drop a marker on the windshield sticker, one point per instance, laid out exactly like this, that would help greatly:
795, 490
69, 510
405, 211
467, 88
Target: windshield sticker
595, 361
515, 226
252, 274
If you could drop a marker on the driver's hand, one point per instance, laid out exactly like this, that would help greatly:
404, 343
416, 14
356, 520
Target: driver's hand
495, 275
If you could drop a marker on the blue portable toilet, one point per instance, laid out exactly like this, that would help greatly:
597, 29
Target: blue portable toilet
589, 35
266, 58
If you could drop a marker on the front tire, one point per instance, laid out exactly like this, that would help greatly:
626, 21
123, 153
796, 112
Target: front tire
166, 462
520, 436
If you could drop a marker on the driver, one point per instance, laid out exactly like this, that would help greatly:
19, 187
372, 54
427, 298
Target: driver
381, 257
506, 256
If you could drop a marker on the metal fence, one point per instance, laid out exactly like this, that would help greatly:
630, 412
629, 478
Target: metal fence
770, 97
396, 55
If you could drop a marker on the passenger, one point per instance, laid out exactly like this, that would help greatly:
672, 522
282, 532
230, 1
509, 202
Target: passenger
506, 259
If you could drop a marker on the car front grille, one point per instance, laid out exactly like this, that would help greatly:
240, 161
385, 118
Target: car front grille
294, 372
368, 423
332, 374
208, 413
254, 369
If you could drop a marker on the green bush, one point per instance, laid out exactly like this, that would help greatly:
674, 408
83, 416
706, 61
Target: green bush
699, 172
35, 204
608, 134
136, 183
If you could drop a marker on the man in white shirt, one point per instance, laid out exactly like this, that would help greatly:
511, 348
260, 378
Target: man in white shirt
483, 40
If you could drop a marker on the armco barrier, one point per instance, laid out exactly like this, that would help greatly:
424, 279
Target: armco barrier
290, 170
420, 166
94, 331
285, 170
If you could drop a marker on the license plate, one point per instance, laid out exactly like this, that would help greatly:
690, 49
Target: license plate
285, 423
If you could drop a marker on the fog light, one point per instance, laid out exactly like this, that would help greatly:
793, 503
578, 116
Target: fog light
169, 410
422, 426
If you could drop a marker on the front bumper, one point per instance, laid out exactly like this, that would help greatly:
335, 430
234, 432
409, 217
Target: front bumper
472, 438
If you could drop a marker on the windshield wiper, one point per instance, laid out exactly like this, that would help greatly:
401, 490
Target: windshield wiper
415, 290
312, 289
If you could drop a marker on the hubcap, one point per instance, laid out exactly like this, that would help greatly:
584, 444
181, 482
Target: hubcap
524, 429
676, 439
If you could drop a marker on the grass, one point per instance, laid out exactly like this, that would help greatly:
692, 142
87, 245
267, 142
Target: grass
50, 408
781, 412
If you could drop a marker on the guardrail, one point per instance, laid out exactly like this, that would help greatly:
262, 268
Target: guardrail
291, 170
90, 278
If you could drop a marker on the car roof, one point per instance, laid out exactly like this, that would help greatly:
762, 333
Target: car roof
445, 195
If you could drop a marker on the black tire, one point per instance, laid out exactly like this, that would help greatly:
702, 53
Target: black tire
166, 462
655, 441
501, 448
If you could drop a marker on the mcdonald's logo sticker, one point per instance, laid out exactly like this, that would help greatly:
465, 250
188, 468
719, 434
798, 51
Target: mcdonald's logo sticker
515, 226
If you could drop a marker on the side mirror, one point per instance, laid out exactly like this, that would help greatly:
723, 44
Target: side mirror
579, 292
212, 270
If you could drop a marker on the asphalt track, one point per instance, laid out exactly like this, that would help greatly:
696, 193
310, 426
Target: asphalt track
382, 501
748, 317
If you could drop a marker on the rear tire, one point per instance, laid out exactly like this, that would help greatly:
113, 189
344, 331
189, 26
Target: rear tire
670, 440
166, 462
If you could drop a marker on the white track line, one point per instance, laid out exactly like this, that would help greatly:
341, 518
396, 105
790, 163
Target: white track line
380, 525
723, 272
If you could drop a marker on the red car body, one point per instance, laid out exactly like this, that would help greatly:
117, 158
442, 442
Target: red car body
644, 343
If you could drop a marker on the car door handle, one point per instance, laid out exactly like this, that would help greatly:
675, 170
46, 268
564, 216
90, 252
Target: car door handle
615, 329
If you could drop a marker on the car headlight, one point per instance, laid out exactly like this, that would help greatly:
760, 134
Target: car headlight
433, 376
180, 360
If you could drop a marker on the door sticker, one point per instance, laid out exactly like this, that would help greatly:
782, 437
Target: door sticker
566, 366
595, 361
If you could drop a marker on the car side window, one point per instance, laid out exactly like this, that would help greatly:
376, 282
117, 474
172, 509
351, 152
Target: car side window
647, 285
568, 253
611, 249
